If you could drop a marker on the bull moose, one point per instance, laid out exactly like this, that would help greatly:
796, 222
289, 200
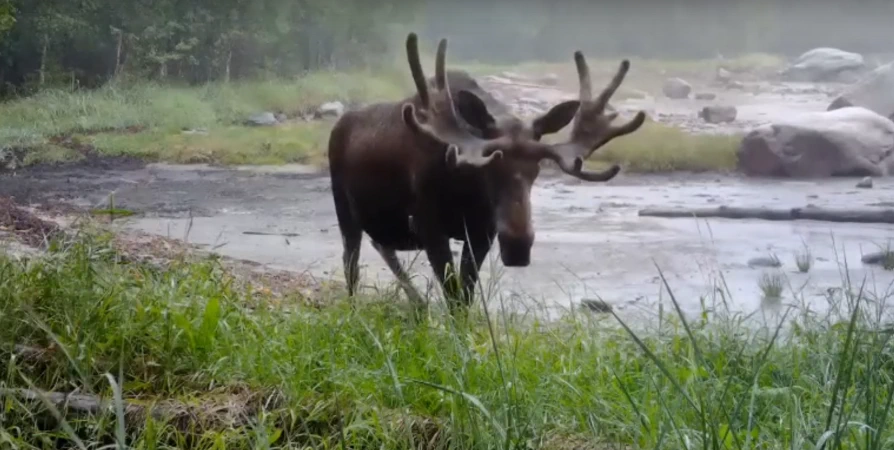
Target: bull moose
451, 162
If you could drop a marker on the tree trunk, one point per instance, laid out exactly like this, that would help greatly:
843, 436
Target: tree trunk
43, 59
118, 48
875, 215
229, 62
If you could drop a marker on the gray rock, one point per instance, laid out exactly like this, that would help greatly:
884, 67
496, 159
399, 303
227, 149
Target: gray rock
262, 119
874, 92
635, 94
513, 76
865, 183
718, 113
676, 88
851, 141
8, 159
598, 306
705, 96
764, 261
330, 109
878, 258
823, 64
549, 79
723, 75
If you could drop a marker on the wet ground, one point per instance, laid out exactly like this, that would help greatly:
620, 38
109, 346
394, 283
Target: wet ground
590, 241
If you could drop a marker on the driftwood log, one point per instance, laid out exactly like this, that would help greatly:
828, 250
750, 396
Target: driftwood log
221, 413
780, 214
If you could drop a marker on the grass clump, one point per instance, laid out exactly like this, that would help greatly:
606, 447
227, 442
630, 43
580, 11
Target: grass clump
661, 148
656, 148
234, 368
804, 260
299, 142
772, 285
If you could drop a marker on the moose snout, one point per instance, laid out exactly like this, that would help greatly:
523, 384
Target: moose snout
515, 249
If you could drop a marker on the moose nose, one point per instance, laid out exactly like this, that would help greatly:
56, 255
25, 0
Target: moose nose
515, 250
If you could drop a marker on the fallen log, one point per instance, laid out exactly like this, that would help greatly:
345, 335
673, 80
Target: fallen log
805, 213
216, 413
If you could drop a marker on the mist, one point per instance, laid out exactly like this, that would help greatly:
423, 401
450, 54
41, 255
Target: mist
511, 32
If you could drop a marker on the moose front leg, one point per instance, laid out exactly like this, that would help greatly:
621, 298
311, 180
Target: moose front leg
441, 259
474, 253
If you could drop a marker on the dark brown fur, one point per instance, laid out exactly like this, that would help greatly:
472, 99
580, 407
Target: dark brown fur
452, 164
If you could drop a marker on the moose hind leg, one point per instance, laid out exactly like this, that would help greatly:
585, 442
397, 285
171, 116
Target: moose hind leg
390, 257
352, 238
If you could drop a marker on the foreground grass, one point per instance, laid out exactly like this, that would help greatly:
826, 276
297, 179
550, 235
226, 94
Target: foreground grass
255, 372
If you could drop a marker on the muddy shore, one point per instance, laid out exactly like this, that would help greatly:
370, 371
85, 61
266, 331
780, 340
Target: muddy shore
590, 241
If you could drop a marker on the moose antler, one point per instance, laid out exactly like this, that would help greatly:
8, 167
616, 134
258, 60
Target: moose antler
591, 128
445, 125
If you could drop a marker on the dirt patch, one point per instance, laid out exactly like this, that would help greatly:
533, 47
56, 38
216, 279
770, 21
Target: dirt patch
25, 225
266, 284
263, 282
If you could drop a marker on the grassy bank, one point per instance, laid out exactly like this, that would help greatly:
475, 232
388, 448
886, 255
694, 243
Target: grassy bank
148, 121
235, 369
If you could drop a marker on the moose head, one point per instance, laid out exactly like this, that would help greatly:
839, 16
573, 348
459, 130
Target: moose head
506, 153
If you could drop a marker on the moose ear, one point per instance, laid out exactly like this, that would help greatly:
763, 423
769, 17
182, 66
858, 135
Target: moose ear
473, 110
556, 118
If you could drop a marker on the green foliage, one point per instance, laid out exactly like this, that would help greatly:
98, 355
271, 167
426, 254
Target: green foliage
7, 17
253, 371
87, 42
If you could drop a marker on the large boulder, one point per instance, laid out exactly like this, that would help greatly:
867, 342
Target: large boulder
825, 64
851, 141
874, 92
718, 113
676, 88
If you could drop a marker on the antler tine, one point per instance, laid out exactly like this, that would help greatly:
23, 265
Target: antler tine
416, 69
473, 149
592, 127
440, 65
613, 86
444, 124
583, 76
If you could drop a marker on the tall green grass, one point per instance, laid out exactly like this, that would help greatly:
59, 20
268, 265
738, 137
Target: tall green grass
250, 371
120, 110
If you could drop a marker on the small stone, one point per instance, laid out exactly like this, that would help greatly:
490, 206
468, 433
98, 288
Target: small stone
262, 119
865, 183
764, 261
549, 79
330, 109
705, 96
723, 75
598, 306
718, 114
877, 258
